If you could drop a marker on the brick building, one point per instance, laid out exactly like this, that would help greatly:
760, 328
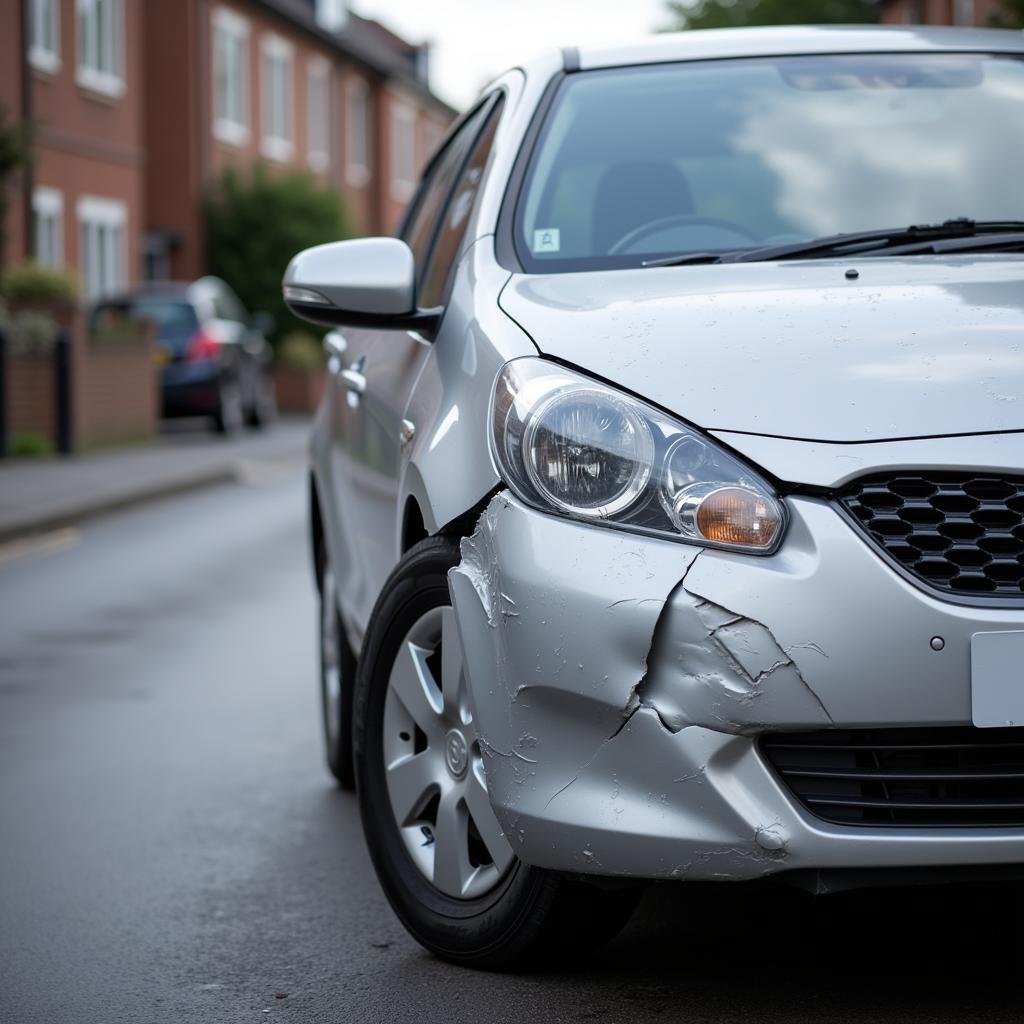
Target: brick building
939, 12
139, 103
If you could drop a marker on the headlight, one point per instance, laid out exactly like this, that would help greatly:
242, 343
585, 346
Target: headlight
565, 443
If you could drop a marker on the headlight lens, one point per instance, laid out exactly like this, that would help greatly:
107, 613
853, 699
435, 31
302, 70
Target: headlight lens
562, 442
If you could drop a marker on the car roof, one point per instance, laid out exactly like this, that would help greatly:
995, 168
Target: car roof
706, 44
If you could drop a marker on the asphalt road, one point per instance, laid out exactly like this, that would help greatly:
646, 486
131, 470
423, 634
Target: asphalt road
171, 847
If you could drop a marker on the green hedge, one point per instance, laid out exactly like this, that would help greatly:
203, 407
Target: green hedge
256, 221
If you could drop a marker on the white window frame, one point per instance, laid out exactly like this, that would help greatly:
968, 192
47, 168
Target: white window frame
104, 78
403, 134
109, 219
278, 140
48, 205
357, 132
235, 29
318, 122
44, 14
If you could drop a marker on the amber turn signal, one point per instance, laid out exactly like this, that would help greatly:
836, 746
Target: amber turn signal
734, 515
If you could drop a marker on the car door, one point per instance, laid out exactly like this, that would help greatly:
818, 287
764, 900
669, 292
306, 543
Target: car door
375, 372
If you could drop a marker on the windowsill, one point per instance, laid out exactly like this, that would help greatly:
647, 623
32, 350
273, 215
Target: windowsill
231, 133
357, 175
279, 150
103, 84
46, 62
319, 162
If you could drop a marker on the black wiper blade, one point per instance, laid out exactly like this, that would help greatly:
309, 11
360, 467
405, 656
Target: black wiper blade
1000, 241
856, 243
890, 241
685, 258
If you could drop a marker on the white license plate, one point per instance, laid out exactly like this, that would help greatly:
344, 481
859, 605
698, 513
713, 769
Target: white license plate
997, 679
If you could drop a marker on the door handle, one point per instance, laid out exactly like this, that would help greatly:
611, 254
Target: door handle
335, 345
354, 381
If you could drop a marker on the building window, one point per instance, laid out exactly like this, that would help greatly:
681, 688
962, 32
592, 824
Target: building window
963, 12
230, 77
357, 133
101, 224
100, 46
403, 151
44, 35
276, 86
48, 215
319, 112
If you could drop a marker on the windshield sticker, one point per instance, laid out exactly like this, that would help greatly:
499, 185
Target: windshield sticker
546, 240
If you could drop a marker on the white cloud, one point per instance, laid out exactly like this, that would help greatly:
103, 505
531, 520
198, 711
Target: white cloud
475, 40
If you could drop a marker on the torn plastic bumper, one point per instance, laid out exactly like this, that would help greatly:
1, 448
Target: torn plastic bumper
619, 683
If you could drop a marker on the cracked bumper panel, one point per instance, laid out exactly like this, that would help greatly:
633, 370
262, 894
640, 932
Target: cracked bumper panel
619, 683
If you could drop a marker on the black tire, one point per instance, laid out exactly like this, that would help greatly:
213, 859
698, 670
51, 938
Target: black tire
263, 411
531, 915
336, 714
230, 414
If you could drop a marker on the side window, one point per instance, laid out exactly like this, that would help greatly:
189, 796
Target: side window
445, 252
419, 228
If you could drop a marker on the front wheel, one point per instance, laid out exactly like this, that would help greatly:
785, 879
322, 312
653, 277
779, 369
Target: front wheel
439, 851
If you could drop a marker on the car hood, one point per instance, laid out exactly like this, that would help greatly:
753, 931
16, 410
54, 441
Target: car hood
912, 347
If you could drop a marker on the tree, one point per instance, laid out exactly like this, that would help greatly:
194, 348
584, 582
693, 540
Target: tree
738, 13
1011, 15
15, 153
256, 221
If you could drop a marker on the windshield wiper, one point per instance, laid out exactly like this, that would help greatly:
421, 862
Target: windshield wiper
892, 241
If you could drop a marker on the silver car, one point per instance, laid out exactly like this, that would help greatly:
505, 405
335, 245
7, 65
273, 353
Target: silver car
667, 497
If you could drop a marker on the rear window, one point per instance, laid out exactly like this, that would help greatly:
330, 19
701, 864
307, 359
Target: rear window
173, 320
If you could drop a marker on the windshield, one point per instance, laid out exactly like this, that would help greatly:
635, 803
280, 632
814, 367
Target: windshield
634, 164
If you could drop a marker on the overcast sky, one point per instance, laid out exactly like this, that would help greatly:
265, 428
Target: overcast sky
475, 40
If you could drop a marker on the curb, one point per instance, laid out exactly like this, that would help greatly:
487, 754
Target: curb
72, 513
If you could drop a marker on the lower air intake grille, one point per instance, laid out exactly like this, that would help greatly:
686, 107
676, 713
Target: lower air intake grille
928, 777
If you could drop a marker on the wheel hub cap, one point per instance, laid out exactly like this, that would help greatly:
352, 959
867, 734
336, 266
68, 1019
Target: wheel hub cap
435, 773
456, 753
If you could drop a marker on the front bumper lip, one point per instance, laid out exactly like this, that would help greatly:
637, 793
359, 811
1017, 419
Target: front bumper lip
619, 684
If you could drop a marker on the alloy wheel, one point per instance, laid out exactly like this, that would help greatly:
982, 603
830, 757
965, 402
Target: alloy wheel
434, 768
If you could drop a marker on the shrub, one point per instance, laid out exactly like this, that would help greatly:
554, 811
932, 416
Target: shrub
256, 221
15, 154
29, 444
300, 350
32, 282
30, 332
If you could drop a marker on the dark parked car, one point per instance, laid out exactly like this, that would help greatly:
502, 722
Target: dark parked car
214, 357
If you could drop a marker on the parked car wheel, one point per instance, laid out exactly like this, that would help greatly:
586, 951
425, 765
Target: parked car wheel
263, 410
230, 414
337, 676
441, 856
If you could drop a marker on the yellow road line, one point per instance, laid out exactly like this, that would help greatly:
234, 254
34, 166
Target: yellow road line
43, 544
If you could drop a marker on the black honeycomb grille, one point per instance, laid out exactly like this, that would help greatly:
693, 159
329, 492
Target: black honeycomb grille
958, 532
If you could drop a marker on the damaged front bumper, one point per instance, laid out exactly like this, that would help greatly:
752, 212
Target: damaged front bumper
619, 683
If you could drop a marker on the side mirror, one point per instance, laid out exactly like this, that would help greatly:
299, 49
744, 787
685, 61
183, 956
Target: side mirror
263, 323
366, 282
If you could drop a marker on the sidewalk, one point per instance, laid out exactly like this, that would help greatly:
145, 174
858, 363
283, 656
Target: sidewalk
38, 495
